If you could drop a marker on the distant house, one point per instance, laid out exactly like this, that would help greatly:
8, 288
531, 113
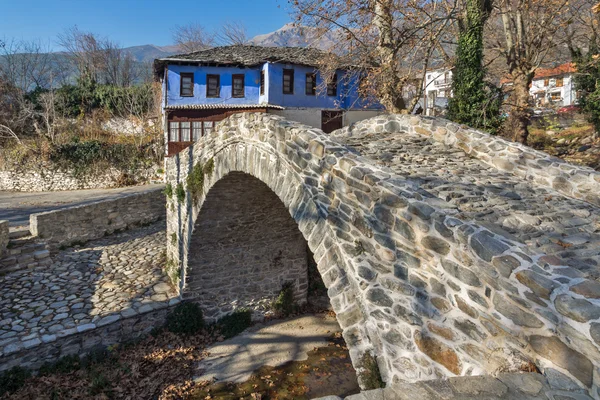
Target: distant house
437, 89
207, 86
554, 87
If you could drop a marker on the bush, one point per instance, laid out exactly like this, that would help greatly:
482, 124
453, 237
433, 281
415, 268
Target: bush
168, 190
180, 193
235, 323
185, 319
195, 181
285, 300
13, 379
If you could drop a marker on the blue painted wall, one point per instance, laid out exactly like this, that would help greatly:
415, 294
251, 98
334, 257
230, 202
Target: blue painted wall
251, 80
347, 94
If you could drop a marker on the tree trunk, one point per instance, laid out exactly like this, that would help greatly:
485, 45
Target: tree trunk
520, 114
390, 85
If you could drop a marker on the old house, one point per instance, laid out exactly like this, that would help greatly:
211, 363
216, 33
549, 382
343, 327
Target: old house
554, 87
204, 87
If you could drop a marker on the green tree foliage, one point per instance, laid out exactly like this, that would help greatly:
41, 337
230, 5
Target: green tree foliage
474, 102
587, 81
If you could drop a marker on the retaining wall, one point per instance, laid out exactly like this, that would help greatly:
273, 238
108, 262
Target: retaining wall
45, 178
95, 220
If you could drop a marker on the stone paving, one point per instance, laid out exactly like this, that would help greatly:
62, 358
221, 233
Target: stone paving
85, 287
542, 218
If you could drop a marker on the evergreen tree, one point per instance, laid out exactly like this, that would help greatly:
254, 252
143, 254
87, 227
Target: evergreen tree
473, 102
587, 80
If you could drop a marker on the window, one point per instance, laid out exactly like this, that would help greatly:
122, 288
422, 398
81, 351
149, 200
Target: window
184, 129
262, 83
196, 130
559, 82
186, 87
288, 81
237, 85
189, 131
311, 84
555, 96
213, 85
546, 82
332, 86
173, 131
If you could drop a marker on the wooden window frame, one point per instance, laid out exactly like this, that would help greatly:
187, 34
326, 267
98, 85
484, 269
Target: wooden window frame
171, 132
560, 82
262, 82
233, 79
312, 89
186, 75
332, 86
288, 72
218, 78
546, 82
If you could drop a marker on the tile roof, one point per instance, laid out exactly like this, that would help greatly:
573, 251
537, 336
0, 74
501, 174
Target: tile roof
560, 70
248, 56
219, 106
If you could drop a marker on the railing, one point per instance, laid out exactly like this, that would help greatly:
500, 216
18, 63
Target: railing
442, 82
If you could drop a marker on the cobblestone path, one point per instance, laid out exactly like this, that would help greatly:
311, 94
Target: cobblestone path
542, 218
85, 287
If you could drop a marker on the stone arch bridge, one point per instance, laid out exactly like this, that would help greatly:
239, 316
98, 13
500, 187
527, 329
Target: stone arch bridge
445, 251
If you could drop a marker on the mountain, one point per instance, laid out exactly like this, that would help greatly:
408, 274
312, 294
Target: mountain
296, 36
148, 52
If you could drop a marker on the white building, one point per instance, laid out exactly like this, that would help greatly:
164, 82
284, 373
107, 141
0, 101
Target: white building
437, 90
554, 87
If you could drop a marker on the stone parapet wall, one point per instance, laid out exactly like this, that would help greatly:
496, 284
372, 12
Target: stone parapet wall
506, 386
46, 178
95, 220
82, 339
428, 294
3, 237
536, 166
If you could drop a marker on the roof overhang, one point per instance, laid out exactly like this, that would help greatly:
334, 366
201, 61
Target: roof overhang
222, 106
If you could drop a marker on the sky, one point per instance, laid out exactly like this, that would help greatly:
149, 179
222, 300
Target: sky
130, 22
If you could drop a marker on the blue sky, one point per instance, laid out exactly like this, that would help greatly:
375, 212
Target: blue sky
130, 22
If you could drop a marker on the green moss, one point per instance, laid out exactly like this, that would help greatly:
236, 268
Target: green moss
209, 167
168, 191
235, 323
173, 238
180, 193
195, 181
186, 319
284, 303
370, 376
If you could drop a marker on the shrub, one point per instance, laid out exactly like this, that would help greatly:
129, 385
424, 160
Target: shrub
168, 191
209, 167
185, 319
173, 238
370, 376
13, 379
180, 193
235, 323
285, 300
195, 181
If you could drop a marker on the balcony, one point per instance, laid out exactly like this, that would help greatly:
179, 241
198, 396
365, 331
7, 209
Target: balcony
442, 82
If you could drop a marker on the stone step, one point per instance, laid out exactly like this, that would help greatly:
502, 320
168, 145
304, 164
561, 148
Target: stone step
17, 232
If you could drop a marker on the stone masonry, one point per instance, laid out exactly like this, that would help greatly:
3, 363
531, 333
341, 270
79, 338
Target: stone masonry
254, 248
95, 220
3, 237
430, 285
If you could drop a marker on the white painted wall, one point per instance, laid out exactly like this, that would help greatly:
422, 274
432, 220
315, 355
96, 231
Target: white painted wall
540, 92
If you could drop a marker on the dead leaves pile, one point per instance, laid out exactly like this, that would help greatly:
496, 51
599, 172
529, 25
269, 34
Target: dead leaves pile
158, 367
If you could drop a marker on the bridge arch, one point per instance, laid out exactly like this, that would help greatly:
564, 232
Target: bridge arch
427, 294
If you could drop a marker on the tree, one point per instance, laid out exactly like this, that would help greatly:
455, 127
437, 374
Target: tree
232, 33
583, 39
473, 103
192, 37
388, 41
529, 35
